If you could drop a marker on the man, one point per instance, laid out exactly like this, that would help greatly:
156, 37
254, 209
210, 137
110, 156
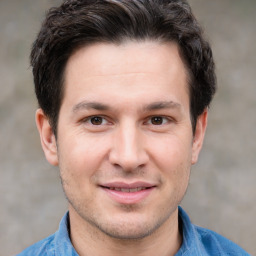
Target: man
124, 89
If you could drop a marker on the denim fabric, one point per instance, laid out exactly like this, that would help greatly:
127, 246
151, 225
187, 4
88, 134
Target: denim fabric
58, 244
197, 241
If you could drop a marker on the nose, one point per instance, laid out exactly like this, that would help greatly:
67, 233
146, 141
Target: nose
127, 151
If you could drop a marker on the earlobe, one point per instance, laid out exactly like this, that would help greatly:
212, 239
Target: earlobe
47, 137
199, 135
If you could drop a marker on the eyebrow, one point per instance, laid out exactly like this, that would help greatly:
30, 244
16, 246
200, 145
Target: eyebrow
162, 105
84, 105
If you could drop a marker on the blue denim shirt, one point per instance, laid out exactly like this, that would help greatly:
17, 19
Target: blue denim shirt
197, 241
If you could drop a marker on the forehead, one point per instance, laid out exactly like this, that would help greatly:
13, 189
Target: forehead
130, 56
128, 69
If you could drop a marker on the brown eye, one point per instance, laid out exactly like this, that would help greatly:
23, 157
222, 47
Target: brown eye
96, 120
157, 120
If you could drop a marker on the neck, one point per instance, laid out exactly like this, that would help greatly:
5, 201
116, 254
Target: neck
89, 240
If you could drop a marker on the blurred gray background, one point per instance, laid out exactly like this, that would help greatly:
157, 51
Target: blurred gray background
222, 190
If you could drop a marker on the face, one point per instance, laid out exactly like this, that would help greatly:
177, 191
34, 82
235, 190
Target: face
125, 143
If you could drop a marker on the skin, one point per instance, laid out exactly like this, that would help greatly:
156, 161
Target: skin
125, 117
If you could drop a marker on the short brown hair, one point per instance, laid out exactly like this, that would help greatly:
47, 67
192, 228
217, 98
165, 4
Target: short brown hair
77, 23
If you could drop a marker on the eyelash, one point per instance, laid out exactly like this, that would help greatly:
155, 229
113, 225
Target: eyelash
164, 120
89, 120
149, 120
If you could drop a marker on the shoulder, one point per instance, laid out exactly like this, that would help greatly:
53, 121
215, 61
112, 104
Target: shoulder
215, 244
57, 244
43, 247
202, 241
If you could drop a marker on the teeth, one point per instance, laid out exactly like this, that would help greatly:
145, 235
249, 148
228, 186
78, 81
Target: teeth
128, 190
125, 189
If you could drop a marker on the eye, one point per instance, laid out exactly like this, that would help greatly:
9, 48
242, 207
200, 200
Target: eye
158, 120
96, 120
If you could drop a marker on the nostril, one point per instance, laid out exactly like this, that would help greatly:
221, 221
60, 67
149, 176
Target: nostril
127, 154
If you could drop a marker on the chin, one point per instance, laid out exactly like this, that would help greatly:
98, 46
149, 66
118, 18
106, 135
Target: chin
127, 231
129, 227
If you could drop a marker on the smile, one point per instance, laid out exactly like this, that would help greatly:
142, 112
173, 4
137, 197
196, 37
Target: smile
124, 193
128, 190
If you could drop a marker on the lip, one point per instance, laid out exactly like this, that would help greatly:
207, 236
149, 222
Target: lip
128, 193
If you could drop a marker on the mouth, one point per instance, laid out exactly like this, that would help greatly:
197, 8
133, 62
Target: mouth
124, 193
127, 190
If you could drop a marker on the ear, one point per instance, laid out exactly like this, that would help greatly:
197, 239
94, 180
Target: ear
48, 140
199, 135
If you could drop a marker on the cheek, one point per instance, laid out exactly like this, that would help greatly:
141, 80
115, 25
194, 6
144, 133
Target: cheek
81, 155
172, 153
173, 159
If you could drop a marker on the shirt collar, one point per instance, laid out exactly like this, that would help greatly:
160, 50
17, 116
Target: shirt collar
190, 245
63, 245
62, 242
